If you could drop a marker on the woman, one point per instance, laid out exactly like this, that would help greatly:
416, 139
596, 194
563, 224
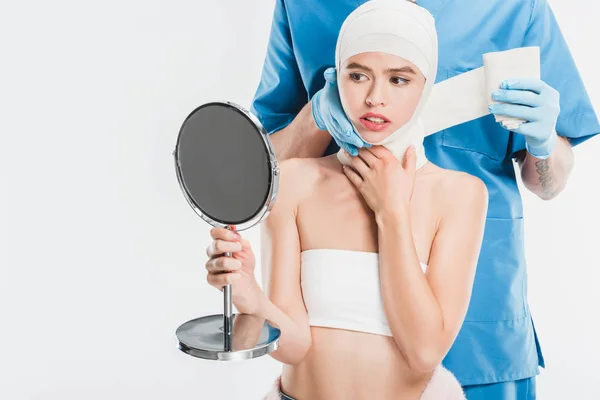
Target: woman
368, 261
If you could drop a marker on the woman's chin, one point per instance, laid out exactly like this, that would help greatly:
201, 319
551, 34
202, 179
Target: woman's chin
373, 137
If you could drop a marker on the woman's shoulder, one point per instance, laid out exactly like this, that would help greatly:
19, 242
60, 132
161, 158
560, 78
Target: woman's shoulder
300, 171
309, 171
299, 176
458, 189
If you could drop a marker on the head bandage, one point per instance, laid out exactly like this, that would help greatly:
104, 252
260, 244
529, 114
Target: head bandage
407, 30
399, 28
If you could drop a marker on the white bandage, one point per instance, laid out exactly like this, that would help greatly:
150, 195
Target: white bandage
467, 96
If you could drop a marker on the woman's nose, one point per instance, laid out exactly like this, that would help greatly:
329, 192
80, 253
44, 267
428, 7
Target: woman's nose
376, 96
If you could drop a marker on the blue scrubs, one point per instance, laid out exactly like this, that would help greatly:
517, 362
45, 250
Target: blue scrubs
513, 390
497, 342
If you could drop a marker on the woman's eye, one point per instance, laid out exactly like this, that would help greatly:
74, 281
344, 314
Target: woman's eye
396, 80
355, 76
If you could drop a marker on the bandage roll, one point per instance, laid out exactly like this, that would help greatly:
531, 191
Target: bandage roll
518, 63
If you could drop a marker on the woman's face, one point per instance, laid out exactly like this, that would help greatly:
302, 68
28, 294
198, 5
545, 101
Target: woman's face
380, 93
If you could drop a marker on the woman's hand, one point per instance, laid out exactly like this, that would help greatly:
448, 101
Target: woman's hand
237, 270
381, 179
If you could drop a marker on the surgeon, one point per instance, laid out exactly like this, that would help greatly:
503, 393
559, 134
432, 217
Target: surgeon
496, 354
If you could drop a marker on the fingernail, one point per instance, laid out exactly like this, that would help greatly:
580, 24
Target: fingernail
496, 94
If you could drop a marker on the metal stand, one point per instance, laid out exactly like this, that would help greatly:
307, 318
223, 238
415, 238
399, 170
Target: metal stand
229, 336
227, 313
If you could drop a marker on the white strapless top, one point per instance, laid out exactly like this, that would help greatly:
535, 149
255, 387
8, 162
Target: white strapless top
341, 289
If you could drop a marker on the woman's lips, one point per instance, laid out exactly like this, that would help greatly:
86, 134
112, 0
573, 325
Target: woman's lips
373, 126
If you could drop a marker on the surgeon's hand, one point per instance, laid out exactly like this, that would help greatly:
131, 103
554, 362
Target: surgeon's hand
329, 115
237, 270
537, 103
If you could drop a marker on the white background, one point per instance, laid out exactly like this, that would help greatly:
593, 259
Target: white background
102, 258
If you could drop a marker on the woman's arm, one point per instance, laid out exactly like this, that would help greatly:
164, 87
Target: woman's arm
425, 312
280, 257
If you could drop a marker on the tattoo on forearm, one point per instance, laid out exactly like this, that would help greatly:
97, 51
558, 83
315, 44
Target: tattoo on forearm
543, 170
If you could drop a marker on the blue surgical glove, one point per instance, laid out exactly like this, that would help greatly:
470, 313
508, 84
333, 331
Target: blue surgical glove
537, 103
329, 115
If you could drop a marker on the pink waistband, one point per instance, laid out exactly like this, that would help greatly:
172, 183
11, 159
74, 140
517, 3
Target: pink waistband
442, 386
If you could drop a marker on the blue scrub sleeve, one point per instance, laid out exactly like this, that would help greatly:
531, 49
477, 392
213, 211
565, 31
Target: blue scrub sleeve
280, 94
577, 119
